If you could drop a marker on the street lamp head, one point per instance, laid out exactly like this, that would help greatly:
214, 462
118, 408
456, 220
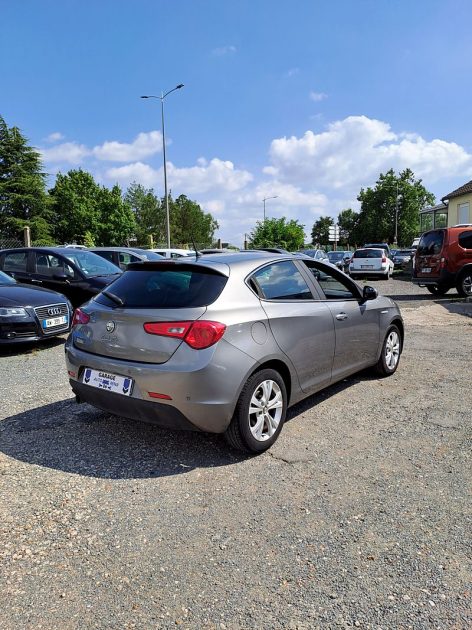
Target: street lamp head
181, 85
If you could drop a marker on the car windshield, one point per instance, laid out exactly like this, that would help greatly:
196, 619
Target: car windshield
368, 253
5, 279
335, 256
164, 287
91, 264
148, 254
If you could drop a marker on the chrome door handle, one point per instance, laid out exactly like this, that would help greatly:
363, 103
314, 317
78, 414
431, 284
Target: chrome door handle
341, 316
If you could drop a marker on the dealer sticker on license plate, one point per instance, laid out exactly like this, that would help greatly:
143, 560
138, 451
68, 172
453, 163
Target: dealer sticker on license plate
54, 321
109, 382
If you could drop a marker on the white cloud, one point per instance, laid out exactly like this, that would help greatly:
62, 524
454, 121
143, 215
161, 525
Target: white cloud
318, 96
223, 50
54, 137
352, 152
137, 172
143, 146
67, 152
292, 72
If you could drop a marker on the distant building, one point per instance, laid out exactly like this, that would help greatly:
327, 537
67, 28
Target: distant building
456, 208
459, 203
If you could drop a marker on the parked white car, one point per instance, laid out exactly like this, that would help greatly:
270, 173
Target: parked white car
370, 262
173, 253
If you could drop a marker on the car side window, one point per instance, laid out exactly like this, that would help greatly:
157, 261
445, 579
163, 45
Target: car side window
49, 264
333, 285
465, 239
281, 281
15, 261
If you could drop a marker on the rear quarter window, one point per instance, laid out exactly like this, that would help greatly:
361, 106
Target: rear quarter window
465, 239
166, 288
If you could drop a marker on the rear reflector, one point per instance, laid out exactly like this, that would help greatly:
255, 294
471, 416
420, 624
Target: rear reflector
72, 374
160, 396
199, 335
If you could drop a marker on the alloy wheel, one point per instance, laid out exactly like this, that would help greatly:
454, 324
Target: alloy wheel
265, 410
392, 349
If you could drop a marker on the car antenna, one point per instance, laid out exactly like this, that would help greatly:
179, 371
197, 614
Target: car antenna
197, 253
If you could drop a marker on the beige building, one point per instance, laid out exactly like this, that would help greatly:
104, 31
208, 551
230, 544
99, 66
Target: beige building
459, 204
455, 209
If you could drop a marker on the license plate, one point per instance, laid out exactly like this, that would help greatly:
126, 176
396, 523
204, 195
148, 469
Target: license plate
107, 381
54, 321
426, 270
367, 266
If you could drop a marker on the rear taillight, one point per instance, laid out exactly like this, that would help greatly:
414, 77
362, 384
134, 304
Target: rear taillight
80, 317
198, 335
443, 263
384, 259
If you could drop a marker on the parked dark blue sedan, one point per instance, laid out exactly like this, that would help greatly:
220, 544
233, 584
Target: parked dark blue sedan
31, 313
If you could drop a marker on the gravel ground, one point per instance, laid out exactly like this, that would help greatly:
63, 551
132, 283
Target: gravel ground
359, 516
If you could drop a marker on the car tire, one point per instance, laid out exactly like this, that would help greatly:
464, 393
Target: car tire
464, 286
391, 352
255, 431
437, 289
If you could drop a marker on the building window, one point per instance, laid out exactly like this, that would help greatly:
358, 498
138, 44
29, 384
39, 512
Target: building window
463, 212
426, 221
440, 220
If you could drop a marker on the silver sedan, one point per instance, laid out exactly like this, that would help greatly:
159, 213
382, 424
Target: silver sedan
226, 343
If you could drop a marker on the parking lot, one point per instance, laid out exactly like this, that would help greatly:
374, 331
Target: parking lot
359, 516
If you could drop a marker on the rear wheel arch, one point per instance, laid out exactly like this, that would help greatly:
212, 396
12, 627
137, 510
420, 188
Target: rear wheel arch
281, 368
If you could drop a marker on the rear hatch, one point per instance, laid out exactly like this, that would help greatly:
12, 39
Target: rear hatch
368, 260
144, 314
428, 254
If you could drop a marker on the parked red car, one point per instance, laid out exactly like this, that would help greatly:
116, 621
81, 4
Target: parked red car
443, 260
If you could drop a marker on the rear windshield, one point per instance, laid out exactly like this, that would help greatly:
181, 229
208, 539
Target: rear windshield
368, 253
166, 287
430, 243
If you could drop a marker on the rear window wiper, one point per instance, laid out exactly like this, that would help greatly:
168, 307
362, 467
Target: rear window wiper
113, 298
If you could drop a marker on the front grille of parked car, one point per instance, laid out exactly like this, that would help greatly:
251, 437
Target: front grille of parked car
50, 311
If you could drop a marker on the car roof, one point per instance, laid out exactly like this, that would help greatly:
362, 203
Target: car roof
55, 250
244, 262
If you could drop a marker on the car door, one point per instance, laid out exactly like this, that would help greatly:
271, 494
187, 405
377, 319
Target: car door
53, 271
356, 322
302, 326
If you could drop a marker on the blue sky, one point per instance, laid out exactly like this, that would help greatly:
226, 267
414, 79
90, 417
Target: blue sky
306, 100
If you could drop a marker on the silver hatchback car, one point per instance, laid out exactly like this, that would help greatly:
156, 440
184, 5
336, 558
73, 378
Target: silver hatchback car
226, 343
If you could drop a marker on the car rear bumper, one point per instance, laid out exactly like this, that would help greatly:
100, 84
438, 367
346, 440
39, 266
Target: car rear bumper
161, 415
203, 386
445, 278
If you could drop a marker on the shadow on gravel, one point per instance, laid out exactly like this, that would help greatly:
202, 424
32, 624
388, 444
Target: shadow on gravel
82, 440
17, 349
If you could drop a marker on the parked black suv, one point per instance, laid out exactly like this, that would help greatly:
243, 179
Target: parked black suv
76, 273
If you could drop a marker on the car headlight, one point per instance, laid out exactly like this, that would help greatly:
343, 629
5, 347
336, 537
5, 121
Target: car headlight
13, 312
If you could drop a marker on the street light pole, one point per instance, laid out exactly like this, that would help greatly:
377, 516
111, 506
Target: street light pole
161, 98
264, 202
397, 199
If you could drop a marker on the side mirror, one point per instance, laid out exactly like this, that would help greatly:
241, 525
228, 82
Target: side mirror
369, 293
63, 277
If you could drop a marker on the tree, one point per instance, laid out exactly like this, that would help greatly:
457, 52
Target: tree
320, 231
75, 204
84, 211
117, 222
278, 233
189, 223
395, 200
23, 198
149, 214
347, 221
